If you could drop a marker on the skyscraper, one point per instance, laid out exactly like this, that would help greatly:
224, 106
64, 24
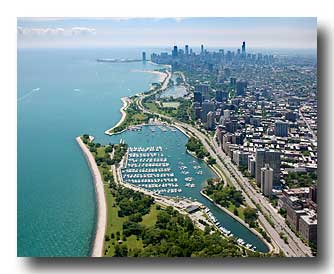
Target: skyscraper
204, 89
207, 106
233, 81
227, 113
197, 110
186, 49
219, 95
144, 56
202, 49
174, 52
251, 165
241, 87
243, 51
198, 97
267, 180
273, 159
281, 128
210, 117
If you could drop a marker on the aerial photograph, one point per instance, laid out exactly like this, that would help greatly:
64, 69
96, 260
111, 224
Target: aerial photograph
167, 137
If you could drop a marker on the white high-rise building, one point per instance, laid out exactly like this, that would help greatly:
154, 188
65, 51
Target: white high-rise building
267, 180
226, 115
210, 120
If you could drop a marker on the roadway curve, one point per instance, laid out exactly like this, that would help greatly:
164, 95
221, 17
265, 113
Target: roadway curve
294, 246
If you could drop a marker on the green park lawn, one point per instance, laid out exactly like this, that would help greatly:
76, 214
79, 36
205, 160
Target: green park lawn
171, 104
240, 211
152, 107
115, 224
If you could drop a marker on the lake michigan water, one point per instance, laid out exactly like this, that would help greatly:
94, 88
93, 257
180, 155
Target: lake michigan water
62, 94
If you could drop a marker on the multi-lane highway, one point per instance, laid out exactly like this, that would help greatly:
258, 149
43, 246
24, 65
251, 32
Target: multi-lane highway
293, 247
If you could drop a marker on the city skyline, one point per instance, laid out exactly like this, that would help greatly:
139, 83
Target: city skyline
289, 33
200, 147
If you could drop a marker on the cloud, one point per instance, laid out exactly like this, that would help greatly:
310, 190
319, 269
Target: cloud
83, 31
40, 31
55, 31
178, 19
119, 19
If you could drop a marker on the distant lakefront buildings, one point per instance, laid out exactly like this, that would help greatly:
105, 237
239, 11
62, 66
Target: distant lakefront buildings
262, 109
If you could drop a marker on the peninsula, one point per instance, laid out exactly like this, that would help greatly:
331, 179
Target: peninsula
100, 227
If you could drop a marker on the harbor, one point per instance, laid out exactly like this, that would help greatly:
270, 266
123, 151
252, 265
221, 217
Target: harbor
156, 175
149, 169
160, 149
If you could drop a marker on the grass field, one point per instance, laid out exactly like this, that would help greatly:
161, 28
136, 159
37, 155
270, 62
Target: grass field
240, 211
170, 104
139, 116
152, 107
115, 226
151, 218
100, 151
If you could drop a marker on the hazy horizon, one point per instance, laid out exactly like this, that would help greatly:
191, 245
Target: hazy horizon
213, 32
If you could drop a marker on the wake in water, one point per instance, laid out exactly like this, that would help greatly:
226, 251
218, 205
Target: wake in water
28, 94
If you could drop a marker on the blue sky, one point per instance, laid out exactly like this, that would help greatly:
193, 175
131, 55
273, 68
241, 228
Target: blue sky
259, 32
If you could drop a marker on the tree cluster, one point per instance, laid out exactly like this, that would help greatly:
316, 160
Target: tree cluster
174, 235
250, 216
195, 145
224, 195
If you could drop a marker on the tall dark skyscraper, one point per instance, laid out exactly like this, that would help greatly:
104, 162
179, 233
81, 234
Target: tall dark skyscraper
243, 50
174, 52
241, 87
281, 128
144, 56
186, 49
198, 97
219, 95
202, 49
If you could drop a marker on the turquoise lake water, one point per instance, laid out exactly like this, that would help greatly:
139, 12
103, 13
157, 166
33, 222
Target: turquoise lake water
173, 144
62, 94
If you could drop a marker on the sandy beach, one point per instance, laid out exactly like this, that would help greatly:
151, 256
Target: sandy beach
97, 250
162, 75
126, 102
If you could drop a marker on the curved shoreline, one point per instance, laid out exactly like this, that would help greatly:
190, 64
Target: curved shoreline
161, 74
216, 171
126, 103
164, 77
100, 226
